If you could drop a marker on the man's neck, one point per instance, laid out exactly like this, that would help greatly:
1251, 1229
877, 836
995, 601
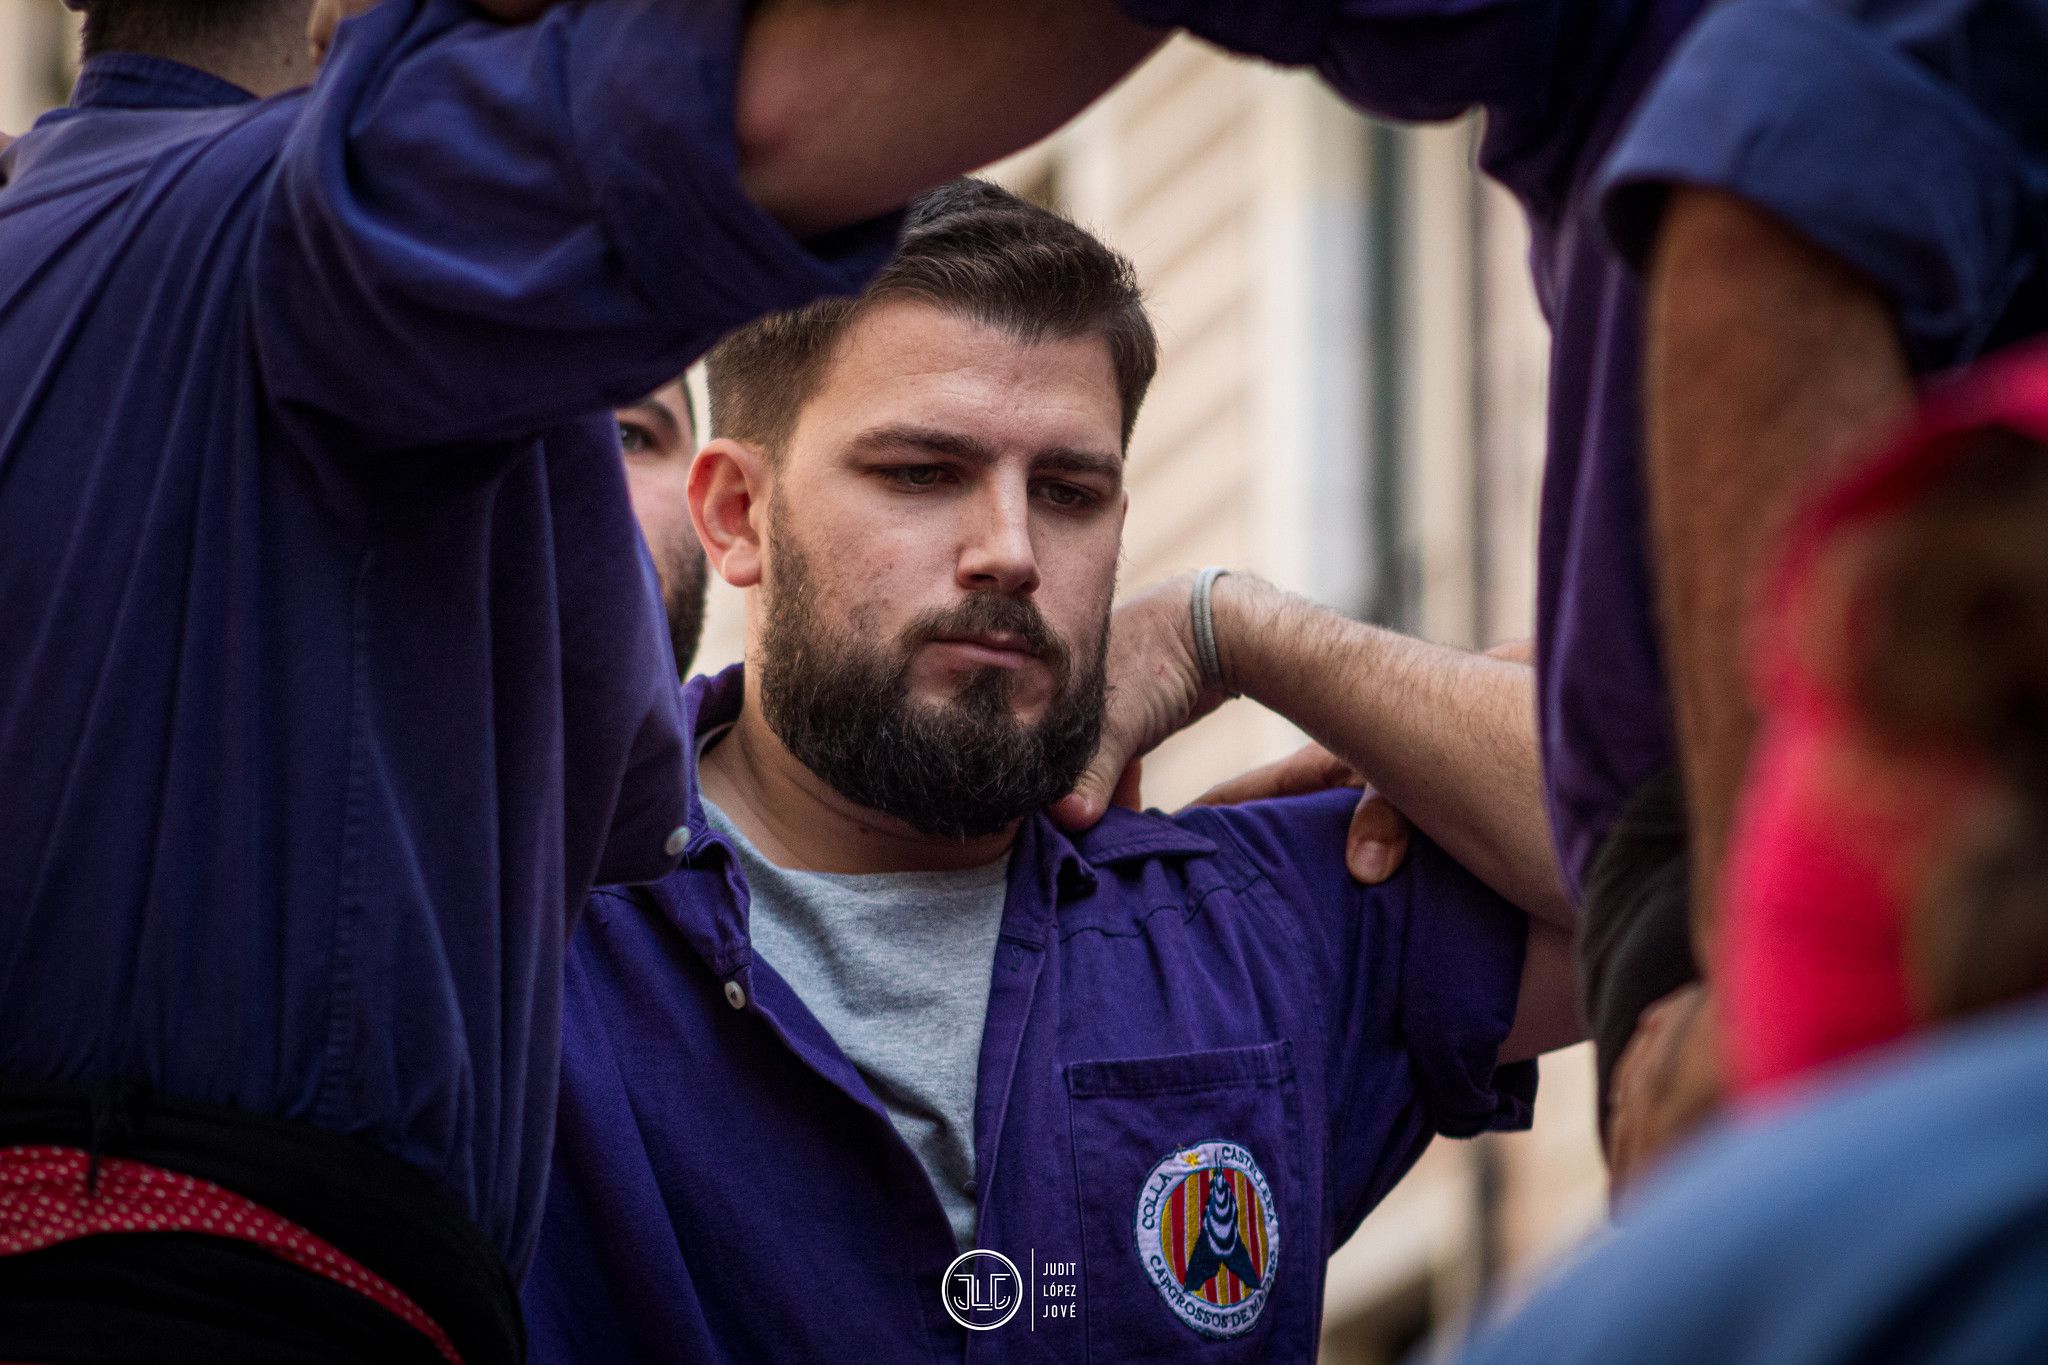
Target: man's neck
269, 58
262, 69
797, 820
261, 74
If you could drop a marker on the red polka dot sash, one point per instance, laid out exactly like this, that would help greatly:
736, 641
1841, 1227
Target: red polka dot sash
50, 1195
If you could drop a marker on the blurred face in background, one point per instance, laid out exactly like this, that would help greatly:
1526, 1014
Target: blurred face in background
659, 439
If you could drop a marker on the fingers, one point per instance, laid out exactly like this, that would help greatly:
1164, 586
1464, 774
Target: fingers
1378, 841
320, 26
1311, 768
1080, 808
1154, 690
1100, 784
326, 18
1666, 1084
1632, 1092
1126, 794
1110, 775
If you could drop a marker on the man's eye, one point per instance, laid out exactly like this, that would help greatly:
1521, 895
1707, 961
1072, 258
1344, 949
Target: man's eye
916, 475
1068, 497
635, 439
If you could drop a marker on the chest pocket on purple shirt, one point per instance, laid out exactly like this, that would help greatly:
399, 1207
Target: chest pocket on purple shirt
1193, 1223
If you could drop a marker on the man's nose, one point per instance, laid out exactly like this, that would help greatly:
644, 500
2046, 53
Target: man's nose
998, 555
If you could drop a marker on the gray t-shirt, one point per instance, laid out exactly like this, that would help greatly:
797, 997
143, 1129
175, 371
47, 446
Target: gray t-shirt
896, 966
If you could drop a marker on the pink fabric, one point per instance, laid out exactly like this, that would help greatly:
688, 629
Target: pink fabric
1813, 959
1829, 836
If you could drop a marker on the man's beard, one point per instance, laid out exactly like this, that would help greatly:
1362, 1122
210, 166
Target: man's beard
958, 769
685, 577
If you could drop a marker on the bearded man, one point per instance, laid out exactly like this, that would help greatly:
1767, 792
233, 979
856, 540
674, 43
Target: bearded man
887, 1012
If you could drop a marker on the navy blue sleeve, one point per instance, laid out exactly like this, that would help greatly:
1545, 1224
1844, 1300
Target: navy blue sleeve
479, 230
1461, 976
1425, 967
1293, 32
615, 650
1549, 73
1909, 138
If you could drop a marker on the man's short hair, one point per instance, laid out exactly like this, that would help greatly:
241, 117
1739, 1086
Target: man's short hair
969, 248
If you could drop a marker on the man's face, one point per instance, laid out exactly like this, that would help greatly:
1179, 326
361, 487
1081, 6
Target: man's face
938, 567
659, 439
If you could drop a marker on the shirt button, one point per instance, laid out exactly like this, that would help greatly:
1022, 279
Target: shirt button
735, 995
678, 840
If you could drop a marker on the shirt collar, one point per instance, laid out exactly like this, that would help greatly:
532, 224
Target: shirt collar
133, 80
709, 701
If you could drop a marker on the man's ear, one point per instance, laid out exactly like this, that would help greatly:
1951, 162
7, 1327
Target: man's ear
728, 488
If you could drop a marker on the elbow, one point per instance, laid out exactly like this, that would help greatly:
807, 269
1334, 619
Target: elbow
800, 89
768, 139
1547, 905
1521, 866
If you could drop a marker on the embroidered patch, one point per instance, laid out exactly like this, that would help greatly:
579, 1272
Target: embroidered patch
1208, 1236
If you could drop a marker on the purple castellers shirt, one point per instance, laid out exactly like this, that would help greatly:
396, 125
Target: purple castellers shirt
333, 670
1910, 137
727, 1188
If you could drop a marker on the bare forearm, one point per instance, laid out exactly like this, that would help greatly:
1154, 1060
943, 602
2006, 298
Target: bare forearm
847, 108
1766, 360
1547, 1006
1449, 737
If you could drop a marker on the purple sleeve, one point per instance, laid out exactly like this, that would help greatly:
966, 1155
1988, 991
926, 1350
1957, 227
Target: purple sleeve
1551, 75
479, 230
636, 847
1291, 32
1419, 981
1461, 973
1911, 142
1406, 59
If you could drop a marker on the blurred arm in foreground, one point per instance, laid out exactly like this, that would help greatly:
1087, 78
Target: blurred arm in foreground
1767, 358
845, 110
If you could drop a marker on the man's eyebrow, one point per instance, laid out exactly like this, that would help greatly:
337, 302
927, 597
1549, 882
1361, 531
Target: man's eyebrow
661, 417
956, 445
1072, 461
899, 435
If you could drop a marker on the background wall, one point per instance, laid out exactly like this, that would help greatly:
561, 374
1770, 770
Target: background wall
1350, 403
36, 59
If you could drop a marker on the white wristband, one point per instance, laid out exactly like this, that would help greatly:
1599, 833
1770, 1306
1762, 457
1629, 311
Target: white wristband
1204, 614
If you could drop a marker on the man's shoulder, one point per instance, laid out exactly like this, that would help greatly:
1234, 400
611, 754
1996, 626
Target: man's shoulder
144, 177
88, 144
1298, 838
1302, 833
1296, 845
